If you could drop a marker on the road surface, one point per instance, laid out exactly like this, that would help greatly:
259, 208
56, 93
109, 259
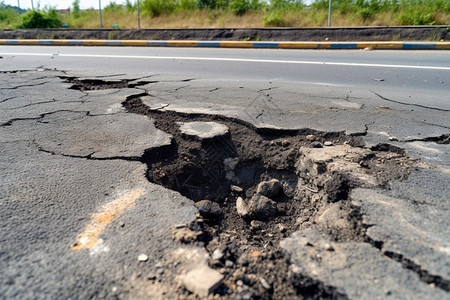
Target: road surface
88, 135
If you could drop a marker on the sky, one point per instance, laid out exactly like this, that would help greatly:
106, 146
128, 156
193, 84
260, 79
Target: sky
60, 4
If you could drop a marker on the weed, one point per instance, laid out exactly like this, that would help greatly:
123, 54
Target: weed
274, 19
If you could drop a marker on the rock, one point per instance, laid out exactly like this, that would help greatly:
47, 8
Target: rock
285, 143
184, 235
229, 263
208, 208
316, 144
262, 207
269, 188
265, 284
202, 280
243, 260
241, 208
311, 137
203, 130
236, 189
281, 228
328, 143
256, 225
230, 163
217, 254
142, 257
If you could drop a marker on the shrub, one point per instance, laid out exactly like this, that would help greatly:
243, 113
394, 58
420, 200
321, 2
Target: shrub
187, 5
274, 19
113, 7
239, 7
155, 8
8, 17
36, 19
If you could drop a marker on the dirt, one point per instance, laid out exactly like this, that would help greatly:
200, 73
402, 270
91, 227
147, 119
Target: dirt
196, 170
400, 33
251, 262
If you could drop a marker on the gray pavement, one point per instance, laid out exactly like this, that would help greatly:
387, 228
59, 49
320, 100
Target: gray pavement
78, 210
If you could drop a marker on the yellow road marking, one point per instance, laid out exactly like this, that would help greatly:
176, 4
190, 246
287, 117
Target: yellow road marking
110, 211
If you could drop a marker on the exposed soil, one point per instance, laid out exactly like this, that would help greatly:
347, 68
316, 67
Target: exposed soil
253, 266
401, 33
250, 246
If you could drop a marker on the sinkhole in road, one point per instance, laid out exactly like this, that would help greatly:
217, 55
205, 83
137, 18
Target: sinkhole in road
99, 84
255, 186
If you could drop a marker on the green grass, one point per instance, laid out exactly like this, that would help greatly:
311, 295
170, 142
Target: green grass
239, 13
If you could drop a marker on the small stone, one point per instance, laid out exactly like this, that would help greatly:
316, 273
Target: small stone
241, 208
237, 189
239, 283
328, 143
243, 260
203, 280
121, 224
328, 247
311, 137
142, 257
229, 263
255, 254
285, 143
393, 139
281, 227
185, 235
265, 284
255, 225
262, 207
159, 265
208, 208
316, 144
40, 70
217, 254
230, 163
269, 188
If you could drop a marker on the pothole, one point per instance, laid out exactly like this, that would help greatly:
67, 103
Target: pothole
98, 84
255, 186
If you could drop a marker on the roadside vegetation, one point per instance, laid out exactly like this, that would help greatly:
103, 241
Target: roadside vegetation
235, 13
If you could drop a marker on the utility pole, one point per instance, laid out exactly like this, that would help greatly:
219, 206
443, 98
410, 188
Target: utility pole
100, 12
139, 15
18, 5
329, 14
32, 5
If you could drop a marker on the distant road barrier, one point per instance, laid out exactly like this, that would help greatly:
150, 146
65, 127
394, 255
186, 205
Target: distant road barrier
239, 44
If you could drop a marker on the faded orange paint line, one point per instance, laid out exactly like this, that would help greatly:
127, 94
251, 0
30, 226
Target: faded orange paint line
109, 212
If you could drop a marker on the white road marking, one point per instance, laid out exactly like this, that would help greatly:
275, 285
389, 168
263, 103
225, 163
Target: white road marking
226, 59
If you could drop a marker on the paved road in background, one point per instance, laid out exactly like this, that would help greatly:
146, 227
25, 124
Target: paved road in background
420, 77
70, 169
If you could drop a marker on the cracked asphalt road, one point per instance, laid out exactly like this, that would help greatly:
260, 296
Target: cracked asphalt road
71, 171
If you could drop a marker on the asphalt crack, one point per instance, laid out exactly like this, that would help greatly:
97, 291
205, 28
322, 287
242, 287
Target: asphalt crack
410, 104
408, 264
443, 139
25, 85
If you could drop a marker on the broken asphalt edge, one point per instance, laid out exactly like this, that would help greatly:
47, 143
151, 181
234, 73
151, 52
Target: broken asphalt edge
237, 44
